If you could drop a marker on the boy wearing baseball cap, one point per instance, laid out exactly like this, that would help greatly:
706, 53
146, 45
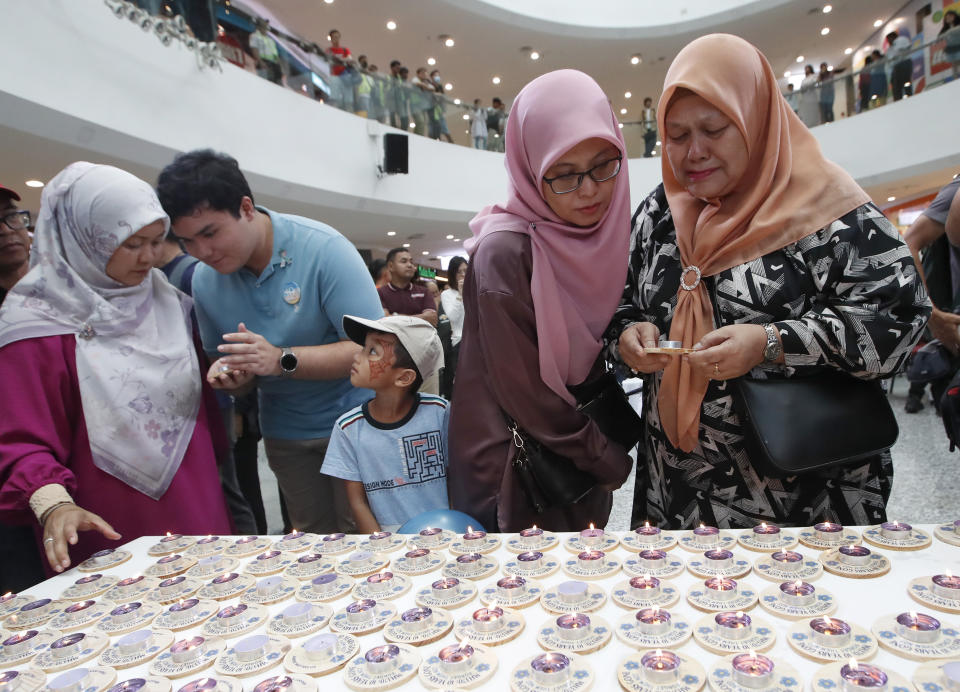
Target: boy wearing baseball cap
391, 451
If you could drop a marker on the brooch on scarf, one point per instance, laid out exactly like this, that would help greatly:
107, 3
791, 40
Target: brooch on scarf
86, 332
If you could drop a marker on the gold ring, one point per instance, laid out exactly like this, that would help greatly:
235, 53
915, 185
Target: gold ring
716, 368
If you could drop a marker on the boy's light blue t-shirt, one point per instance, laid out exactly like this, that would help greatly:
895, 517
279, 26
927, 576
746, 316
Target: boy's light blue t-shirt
315, 277
403, 465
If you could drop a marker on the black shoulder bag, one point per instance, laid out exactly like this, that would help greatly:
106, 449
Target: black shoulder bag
551, 480
807, 423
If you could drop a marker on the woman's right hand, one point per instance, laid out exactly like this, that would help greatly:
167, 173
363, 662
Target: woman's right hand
633, 342
60, 529
228, 379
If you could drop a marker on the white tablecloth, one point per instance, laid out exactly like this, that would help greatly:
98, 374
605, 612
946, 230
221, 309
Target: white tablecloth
862, 601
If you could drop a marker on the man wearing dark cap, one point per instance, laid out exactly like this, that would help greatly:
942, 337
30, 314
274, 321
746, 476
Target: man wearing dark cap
14, 241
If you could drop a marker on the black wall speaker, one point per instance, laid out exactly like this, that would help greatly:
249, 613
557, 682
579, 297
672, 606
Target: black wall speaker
396, 153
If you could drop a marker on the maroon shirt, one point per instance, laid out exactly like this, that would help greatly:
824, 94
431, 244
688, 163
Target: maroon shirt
412, 300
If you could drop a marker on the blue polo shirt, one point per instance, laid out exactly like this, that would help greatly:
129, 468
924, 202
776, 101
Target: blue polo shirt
315, 277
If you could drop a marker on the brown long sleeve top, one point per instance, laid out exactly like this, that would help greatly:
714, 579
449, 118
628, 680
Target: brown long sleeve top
499, 370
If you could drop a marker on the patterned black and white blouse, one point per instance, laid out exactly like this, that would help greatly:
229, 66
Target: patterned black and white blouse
846, 296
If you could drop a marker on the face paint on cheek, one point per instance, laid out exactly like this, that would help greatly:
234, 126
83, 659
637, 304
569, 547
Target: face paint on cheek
379, 365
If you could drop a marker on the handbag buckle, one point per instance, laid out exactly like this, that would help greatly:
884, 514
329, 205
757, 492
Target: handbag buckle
683, 277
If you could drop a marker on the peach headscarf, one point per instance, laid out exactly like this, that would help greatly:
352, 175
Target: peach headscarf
788, 191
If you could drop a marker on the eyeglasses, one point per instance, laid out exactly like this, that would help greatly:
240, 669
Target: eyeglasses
16, 220
562, 184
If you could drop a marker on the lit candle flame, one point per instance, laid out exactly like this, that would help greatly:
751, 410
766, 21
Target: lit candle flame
464, 643
534, 527
646, 524
827, 622
739, 614
946, 573
656, 612
853, 664
797, 584
591, 526
763, 525
913, 615
702, 526
169, 534
646, 578
10, 593
469, 529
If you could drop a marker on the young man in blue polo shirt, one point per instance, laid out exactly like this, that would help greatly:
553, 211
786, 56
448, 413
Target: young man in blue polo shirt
270, 299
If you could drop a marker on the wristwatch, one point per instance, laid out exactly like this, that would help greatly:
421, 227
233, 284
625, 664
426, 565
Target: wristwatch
288, 362
772, 350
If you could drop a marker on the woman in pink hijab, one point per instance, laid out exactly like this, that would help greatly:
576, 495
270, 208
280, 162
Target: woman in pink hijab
547, 269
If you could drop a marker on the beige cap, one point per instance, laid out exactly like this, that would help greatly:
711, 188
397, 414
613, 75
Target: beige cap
418, 336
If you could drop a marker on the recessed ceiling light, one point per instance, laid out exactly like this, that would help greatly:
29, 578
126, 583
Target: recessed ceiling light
623, 111
877, 24
786, 73
891, 199
635, 60
827, 9
658, 142
425, 252
34, 183
448, 87
431, 61
799, 58
620, 125
456, 102
449, 43
450, 237
466, 116
466, 132
848, 51
496, 80
627, 94
391, 25
534, 55
824, 31
391, 232
329, 2
406, 245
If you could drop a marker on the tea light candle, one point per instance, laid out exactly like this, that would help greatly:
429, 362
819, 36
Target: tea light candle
245, 540
647, 533
209, 540
8, 681
181, 610
232, 611
17, 644
443, 587
653, 621
40, 606
126, 612
323, 584
488, 619
706, 535
457, 658
171, 537
832, 633
171, 586
418, 559
297, 535
828, 532
571, 591
918, 627
224, 583
278, 683
591, 560
67, 646
382, 659
718, 559
733, 625
470, 564
753, 670
551, 669
859, 676
102, 557
531, 536
380, 583
592, 536
379, 536
296, 614
170, 559
78, 607
660, 667
201, 685
416, 619
269, 587
951, 673
797, 593
652, 559
360, 559
510, 587
321, 648
135, 641
9, 596
268, 559
766, 533
895, 530
430, 536
645, 586
131, 685
532, 559
788, 560
251, 648
128, 585
361, 611
332, 543
187, 650
307, 559
946, 586
723, 589
573, 626
854, 554
473, 538
71, 681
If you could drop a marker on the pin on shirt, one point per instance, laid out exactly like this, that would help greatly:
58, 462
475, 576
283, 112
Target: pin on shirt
291, 294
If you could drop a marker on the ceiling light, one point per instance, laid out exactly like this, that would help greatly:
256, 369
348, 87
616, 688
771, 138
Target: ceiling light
787, 74
406, 245
412, 125
891, 199
466, 132
456, 102
827, 9
627, 94
496, 80
456, 240
799, 58
824, 31
329, 2
623, 111
620, 125
448, 87
34, 183
391, 25
431, 61
635, 60
877, 24
450, 237
658, 142
466, 116
534, 55
848, 51
425, 252
449, 43
391, 232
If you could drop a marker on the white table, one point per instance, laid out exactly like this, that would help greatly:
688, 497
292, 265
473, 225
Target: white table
862, 601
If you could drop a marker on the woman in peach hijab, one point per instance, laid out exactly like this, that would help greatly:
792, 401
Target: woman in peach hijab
805, 273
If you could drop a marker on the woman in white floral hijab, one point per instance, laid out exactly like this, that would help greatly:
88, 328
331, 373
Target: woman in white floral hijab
106, 422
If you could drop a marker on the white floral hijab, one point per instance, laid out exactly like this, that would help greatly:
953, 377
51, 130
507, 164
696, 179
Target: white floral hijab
137, 368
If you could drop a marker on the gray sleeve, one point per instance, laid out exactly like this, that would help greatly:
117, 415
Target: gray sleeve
940, 206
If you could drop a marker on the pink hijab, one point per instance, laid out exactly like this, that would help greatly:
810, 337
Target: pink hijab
578, 273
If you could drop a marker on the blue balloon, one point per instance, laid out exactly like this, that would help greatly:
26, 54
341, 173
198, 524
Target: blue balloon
449, 519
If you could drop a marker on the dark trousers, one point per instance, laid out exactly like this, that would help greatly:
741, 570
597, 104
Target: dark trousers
649, 143
21, 565
900, 79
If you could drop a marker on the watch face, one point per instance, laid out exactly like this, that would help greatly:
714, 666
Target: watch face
288, 362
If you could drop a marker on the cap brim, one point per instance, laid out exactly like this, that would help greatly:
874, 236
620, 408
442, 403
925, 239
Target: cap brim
8, 191
357, 327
